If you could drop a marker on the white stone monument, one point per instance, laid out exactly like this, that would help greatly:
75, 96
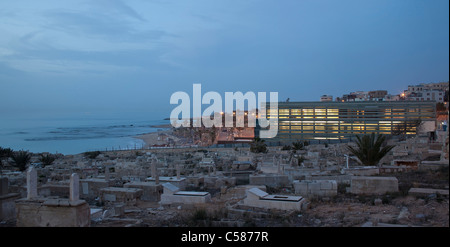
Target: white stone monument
31, 183
74, 194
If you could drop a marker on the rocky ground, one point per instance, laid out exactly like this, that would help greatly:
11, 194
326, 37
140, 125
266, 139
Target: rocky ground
343, 210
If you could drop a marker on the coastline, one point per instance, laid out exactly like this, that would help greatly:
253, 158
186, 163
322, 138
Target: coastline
163, 137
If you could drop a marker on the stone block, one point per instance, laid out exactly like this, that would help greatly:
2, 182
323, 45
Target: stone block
373, 185
315, 188
54, 213
151, 192
128, 196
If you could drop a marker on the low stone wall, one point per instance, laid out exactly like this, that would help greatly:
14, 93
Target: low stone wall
219, 182
362, 171
315, 188
373, 185
273, 180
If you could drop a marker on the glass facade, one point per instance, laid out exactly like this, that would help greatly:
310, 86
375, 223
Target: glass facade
344, 120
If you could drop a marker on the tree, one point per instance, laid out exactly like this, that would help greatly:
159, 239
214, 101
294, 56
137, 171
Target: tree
21, 159
258, 146
297, 146
47, 159
370, 149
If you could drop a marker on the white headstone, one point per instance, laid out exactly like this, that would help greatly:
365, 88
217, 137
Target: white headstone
74, 194
31, 183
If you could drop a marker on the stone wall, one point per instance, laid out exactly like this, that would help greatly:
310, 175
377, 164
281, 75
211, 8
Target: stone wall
90, 188
315, 188
52, 213
127, 196
373, 185
151, 192
272, 180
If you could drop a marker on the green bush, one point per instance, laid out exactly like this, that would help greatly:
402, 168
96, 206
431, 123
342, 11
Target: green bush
92, 155
47, 159
21, 159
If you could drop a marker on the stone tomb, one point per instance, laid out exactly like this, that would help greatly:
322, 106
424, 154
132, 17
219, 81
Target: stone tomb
260, 199
35, 211
373, 185
151, 192
315, 188
177, 181
7, 201
114, 195
90, 188
172, 194
427, 192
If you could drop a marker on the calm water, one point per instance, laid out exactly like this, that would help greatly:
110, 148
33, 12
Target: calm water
75, 133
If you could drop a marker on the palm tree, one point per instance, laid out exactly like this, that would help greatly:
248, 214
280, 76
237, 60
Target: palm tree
47, 159
258, 146
21, 159
297, 146
369, 149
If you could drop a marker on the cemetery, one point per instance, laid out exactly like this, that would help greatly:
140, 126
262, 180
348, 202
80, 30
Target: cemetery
232, 187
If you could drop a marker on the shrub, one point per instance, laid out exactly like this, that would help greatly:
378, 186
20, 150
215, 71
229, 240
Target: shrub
6, 152
370, 149
21, 159
47, 159
92, 155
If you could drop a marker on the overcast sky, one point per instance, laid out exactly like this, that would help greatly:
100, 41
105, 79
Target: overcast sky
113, 55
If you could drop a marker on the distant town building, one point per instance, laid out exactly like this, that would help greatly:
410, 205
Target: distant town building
324, 98
377, 95
426, 95
427, 92
422, 92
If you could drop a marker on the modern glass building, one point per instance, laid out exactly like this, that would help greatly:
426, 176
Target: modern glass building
344, 120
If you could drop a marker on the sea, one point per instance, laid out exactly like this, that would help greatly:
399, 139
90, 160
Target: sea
74, 133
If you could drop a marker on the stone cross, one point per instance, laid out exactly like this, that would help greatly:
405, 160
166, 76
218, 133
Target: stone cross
31, 183
74, 194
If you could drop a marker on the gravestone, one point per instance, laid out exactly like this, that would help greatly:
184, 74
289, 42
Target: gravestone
31, 183
74, 194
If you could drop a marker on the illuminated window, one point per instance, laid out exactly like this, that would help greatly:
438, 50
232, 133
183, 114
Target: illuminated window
321, 112
296, 112
283, 111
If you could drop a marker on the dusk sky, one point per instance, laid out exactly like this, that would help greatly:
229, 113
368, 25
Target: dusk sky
126, 56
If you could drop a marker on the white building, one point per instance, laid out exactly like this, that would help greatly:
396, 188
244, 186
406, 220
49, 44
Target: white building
326, 98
